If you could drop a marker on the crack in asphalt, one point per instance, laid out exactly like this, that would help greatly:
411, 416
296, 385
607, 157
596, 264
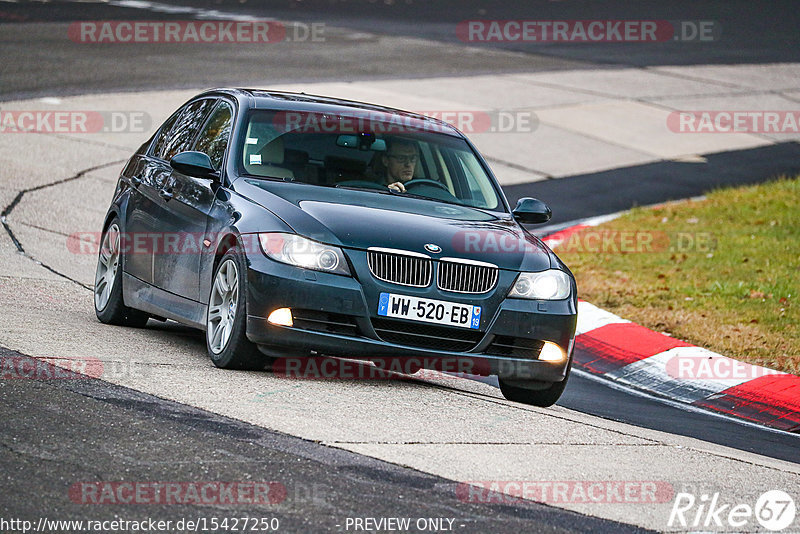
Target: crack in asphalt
653, 101
50, 230
10, 208
536, 443
545, 176
509, 404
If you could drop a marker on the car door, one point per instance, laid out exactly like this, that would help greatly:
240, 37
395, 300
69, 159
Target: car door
143, 208
188, 203
148, 213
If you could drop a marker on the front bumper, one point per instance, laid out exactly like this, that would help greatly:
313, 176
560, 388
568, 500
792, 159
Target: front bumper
272, 285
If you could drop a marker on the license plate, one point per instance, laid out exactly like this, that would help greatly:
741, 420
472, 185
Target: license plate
429, 310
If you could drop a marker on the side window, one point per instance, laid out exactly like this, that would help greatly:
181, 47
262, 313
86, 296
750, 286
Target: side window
215, 135
177, 138
163, 135
478, 189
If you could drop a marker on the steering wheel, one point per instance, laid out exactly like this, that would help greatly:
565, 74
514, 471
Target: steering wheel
424, 181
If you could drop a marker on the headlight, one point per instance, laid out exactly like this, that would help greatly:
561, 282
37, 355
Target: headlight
297, 250
546, 285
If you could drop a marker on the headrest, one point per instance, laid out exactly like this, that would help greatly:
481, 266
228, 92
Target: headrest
295, 157
344, 164
273, 151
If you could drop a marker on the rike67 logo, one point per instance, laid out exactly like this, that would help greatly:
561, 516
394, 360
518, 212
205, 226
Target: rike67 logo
774, 510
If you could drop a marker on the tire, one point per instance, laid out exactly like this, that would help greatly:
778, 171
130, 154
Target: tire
226, 317
108, 303
533, 392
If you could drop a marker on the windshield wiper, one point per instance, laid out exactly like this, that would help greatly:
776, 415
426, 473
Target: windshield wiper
455, 203
382, 190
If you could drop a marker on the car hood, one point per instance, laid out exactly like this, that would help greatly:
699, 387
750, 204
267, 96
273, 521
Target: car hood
363, 219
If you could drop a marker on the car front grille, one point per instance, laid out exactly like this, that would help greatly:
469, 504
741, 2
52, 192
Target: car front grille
515, 347
400, 267
426, 336
466, 276
415, 270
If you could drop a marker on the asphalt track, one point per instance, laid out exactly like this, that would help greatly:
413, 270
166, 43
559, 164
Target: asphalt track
43, 455
89, 430
753, 33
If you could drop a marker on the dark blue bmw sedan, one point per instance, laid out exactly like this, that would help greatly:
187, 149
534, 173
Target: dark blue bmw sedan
291, 226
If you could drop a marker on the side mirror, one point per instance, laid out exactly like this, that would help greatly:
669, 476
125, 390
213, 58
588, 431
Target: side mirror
195, 164
532, 211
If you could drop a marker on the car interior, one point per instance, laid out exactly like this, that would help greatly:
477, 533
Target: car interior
355, 160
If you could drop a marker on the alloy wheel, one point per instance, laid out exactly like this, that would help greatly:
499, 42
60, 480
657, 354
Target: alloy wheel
107, 265
222, 306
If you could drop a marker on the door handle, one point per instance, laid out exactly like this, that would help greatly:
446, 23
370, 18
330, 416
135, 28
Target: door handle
166, 194
135, 181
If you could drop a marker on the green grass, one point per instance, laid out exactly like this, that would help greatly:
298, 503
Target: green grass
722, 273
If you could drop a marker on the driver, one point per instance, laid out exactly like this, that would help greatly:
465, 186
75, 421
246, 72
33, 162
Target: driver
400, 161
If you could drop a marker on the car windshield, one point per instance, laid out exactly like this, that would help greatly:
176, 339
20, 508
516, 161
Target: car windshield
368, 153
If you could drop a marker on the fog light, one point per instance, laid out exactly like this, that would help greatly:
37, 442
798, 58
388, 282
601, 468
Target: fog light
551, 353
281, 317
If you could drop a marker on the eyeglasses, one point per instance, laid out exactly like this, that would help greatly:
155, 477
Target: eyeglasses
404, 159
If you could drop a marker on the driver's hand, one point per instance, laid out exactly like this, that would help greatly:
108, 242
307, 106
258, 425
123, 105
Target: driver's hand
397, 186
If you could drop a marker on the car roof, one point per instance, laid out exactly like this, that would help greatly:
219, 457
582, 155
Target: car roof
290, 101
